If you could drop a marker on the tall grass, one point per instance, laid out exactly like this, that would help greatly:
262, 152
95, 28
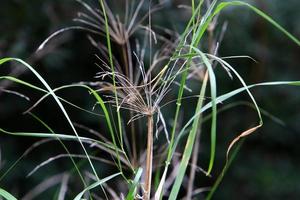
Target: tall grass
132, 90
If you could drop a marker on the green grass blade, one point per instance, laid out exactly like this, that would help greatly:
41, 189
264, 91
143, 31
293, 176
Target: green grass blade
60, 136
45, 135
183, 80
19, 81
107, 117
110, 54
63, 145
213, 88
250, 105
225, 169
132, 191
42, 80
188, 147
97, 97
96, 184
224, 5
192, 135
193, 24
7, 195
227, 96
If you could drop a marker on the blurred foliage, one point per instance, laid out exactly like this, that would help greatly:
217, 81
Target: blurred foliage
267, 165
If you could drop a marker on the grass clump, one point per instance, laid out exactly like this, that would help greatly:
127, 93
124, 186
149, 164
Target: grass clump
139, 68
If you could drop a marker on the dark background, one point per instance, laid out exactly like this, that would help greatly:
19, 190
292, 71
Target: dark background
267, 166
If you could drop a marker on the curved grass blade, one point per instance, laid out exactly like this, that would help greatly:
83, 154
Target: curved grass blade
225, 169
225, 97
223, 5
250, 105
97, 97
7, 195
251, 130
55, 136
63, 145
221, 99
213, 87
96, 184
240, 103
42, 80
19, 81
192, 135
132, 191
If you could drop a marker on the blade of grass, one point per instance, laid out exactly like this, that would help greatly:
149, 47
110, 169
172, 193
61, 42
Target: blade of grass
97, 97
213, 88
223, 5
132, 191
225, 169
63, 145
96, 184
108, 41
192, 135
225, 97
195, 12
42, 80
19, 81
6, 195
55, 136
189, 144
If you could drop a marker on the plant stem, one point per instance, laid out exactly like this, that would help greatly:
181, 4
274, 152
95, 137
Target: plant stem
149, 158
133, 142
193, 166
125, 59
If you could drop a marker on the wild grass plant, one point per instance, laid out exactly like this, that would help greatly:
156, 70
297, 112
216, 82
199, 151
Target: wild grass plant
141, 67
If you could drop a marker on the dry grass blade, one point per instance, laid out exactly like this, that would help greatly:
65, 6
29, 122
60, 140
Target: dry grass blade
243, 134
42, 187
49, 160
64, 187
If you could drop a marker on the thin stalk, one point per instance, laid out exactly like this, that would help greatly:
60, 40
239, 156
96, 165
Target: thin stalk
128, 73
190, 187
133, 142
149, 158
190, 142
182, 83
125, 59
211, 46
192, 23
113, 74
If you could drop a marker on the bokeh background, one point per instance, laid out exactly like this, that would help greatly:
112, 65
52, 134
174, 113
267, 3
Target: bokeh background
267, 166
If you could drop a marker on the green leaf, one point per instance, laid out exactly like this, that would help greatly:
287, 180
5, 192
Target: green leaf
42, 80
96, 184
6, 194
132, 190
192, 135
225, 169
223, 5
97, 97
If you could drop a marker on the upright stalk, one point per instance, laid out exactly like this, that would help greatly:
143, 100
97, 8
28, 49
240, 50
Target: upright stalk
192, 175
128, 72
133, 142
149, 158
125, 58
211, 49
